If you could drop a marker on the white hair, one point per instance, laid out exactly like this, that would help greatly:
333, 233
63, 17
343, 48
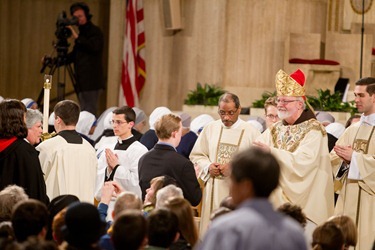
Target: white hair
167, 192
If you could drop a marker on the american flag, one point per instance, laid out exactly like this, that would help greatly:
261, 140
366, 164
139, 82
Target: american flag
133, 64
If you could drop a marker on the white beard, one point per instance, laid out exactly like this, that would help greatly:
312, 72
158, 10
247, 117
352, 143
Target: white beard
283, 114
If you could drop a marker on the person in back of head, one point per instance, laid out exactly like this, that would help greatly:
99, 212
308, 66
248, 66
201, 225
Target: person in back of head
87, 56
68, 161
167, 192
83, 226
162, 229
186, 224
29, 218
129, 231
34, 124
254, 224
294, 212
348, 228
9, 197
328, 237
19, 163
164, 160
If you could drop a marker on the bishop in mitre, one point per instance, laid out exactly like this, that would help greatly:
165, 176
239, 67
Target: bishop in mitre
300, 143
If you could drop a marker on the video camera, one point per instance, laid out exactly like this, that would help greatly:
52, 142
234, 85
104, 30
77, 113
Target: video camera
62, 32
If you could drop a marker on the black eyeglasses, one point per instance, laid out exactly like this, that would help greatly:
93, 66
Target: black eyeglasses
229, 113
112, 122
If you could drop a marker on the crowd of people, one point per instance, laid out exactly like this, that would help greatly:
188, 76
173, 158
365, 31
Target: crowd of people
109, 183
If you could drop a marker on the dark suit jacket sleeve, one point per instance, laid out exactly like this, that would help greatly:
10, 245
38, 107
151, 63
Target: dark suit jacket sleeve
189, 184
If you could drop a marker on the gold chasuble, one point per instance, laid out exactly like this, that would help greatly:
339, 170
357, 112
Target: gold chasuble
357, 179
306, 177
218, 143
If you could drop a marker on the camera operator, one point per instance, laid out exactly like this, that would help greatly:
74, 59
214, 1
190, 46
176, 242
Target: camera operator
87, 58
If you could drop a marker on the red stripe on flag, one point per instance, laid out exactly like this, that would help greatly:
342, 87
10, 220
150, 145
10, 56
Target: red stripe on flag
134, 65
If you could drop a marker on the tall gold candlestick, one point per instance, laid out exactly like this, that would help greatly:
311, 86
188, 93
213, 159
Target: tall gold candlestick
47, 87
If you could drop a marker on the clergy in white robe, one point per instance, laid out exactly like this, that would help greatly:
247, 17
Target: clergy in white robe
119, 161
68, 161
300, 143
353, 162
213, 150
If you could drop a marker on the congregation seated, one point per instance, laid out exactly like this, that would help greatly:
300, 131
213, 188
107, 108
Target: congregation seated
129, 231
162, 229
55, 206
348, 228
9, 197
186, 225
29, 218
328, 237
156, 184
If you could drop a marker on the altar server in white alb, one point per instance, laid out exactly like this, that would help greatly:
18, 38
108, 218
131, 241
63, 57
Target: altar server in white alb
119, 162
353, 161
68, 161
214, 148
299, 142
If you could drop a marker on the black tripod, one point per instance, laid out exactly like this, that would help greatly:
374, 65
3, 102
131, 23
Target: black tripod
60, 62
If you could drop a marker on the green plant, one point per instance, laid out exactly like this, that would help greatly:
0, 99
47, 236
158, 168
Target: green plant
207, 95
325, 101
260, 103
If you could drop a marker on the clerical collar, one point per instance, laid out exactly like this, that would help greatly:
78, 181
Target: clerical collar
124, 144
235, 125
368, 119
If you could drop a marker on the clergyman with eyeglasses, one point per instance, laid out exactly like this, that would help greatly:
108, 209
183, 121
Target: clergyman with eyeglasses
214, 148
119, 161
300, 143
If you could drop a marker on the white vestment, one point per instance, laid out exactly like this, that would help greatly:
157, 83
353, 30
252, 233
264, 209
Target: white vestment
126, 173
306, 176
218, 143
357, 195
68, 168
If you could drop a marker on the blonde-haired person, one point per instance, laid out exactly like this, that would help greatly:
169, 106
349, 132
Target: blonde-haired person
186, 225
348, 229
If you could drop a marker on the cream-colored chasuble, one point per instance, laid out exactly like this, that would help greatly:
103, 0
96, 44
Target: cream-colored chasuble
306, 175
217, 143
357, 193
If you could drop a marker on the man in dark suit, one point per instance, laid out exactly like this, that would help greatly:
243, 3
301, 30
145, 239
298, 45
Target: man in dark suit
163, 159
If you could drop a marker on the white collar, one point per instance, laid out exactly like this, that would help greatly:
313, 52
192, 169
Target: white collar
235, 125
368, 119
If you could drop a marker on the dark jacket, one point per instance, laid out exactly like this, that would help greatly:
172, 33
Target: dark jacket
19, 165
164, 160
87, 58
